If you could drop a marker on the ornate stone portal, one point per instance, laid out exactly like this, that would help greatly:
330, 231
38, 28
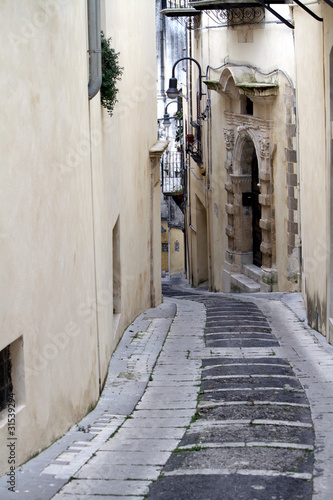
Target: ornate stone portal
249, 158
244, 137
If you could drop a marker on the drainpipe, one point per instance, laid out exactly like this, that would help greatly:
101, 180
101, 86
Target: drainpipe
94, 85
95, 52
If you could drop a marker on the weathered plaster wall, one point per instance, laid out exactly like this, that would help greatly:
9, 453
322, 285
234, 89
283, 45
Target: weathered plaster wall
177, 250
164, 243
46, 226
69, 174
125, 177
313, 162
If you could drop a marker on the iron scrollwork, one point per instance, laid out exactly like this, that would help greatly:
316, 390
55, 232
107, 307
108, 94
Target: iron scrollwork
238, 16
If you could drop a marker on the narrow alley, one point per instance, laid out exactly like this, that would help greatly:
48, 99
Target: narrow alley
208, 396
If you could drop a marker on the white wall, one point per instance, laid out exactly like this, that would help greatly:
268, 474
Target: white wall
68, 173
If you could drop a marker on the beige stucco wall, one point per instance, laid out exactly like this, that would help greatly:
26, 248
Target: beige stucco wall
164, 242
313, 103
267, 47
173, 263
176, 257
69, 173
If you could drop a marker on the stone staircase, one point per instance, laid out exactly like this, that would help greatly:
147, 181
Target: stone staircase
249, 281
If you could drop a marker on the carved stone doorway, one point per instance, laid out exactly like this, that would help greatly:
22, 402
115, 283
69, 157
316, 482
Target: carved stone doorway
248, 207
256, 212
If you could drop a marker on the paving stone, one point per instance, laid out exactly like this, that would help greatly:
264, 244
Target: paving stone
254, 395
238, 342
129, 457
230, 487
141, 423
252, 382
119, 472
254, 458
153, 432
120, 444
153, 404
248, 369
257, 412
248, 433
106, 487
219, 361
95, 497
163, 414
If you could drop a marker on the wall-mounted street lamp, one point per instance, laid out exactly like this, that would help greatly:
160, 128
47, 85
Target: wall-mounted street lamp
173, 91
166, 118
193, 142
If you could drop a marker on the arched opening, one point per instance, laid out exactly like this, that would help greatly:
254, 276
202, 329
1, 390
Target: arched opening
201, 272
251, 236
256, 212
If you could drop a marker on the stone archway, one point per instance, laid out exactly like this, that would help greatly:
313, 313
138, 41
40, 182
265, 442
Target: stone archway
248, 161
200, 272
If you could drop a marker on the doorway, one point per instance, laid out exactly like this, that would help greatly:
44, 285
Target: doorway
256, 212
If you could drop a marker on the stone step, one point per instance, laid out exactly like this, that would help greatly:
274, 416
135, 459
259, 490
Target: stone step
243, 284
253, 272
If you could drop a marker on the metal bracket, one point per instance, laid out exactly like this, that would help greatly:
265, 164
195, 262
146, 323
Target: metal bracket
276, 14
317, 18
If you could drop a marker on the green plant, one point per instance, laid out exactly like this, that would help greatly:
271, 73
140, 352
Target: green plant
111, 72
179, 131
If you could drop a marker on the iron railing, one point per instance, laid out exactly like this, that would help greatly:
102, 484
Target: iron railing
172, 173
174, 4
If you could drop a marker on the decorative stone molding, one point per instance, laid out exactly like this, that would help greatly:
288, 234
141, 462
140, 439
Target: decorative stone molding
266, 248
229, 231
265, 199
265, 224
229, 138
229, 208
264, 146
242, 134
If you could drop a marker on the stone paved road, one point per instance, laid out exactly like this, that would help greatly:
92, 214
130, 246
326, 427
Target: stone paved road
215, 397
252, 435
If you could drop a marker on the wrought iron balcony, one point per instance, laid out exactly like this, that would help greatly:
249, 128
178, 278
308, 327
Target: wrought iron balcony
172, 173
178, 8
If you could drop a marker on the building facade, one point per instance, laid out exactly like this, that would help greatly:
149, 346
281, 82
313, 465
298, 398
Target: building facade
80, 209
314, 42
257, 129
242, 215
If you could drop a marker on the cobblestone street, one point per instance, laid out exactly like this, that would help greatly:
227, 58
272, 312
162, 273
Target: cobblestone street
252, 435
209, 396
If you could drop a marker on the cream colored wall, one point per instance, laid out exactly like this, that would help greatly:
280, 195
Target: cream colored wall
313, 137
125, 177
69, 171
165, 240
176, 258
46, 225
328, 45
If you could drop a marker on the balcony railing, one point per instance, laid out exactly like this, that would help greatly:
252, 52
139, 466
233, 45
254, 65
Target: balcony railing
172, 173
176, 8
174, 4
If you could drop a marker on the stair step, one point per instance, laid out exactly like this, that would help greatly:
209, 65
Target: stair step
253, 272
243, 284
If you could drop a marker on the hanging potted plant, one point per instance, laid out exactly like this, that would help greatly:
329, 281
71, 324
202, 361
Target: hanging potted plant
111, 72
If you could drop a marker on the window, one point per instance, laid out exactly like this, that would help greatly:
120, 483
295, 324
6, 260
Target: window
6, 386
